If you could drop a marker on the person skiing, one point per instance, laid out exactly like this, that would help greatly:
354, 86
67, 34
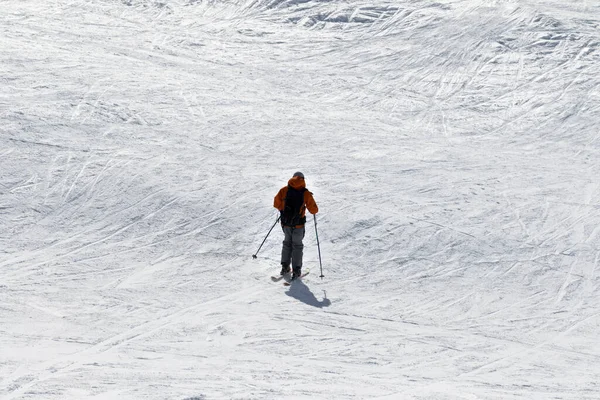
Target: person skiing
292, 201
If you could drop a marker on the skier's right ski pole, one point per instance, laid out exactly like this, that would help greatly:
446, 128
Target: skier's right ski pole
318, 247
263, 242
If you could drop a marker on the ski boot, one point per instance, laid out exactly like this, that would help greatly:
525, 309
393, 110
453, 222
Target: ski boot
285, 268
297, 273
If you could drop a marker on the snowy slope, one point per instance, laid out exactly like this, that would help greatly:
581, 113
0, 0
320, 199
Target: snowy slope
452, 147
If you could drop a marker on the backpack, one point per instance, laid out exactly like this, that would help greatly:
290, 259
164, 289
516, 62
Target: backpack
293, 207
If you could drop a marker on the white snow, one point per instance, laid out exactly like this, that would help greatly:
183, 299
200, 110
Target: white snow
453, 148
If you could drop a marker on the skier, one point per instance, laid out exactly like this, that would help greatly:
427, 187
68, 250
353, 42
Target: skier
292, 201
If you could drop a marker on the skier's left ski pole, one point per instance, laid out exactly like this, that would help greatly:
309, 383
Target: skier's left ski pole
263, 242
318, 247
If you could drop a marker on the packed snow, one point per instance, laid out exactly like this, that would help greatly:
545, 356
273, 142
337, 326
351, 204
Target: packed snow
453, 148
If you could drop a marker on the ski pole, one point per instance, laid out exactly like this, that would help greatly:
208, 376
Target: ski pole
263, 242
318, 247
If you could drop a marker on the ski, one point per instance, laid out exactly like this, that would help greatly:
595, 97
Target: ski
286, 276
289, 283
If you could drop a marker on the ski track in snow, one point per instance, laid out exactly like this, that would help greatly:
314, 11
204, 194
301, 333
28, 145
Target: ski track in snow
452, 148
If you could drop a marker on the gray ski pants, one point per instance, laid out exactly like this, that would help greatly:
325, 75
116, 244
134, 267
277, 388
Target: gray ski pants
291, 253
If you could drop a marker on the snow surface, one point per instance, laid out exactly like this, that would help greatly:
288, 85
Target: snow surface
452, 146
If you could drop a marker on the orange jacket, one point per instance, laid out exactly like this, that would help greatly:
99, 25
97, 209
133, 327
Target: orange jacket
297, 183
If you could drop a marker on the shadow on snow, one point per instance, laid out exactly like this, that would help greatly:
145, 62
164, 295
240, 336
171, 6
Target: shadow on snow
300, 291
